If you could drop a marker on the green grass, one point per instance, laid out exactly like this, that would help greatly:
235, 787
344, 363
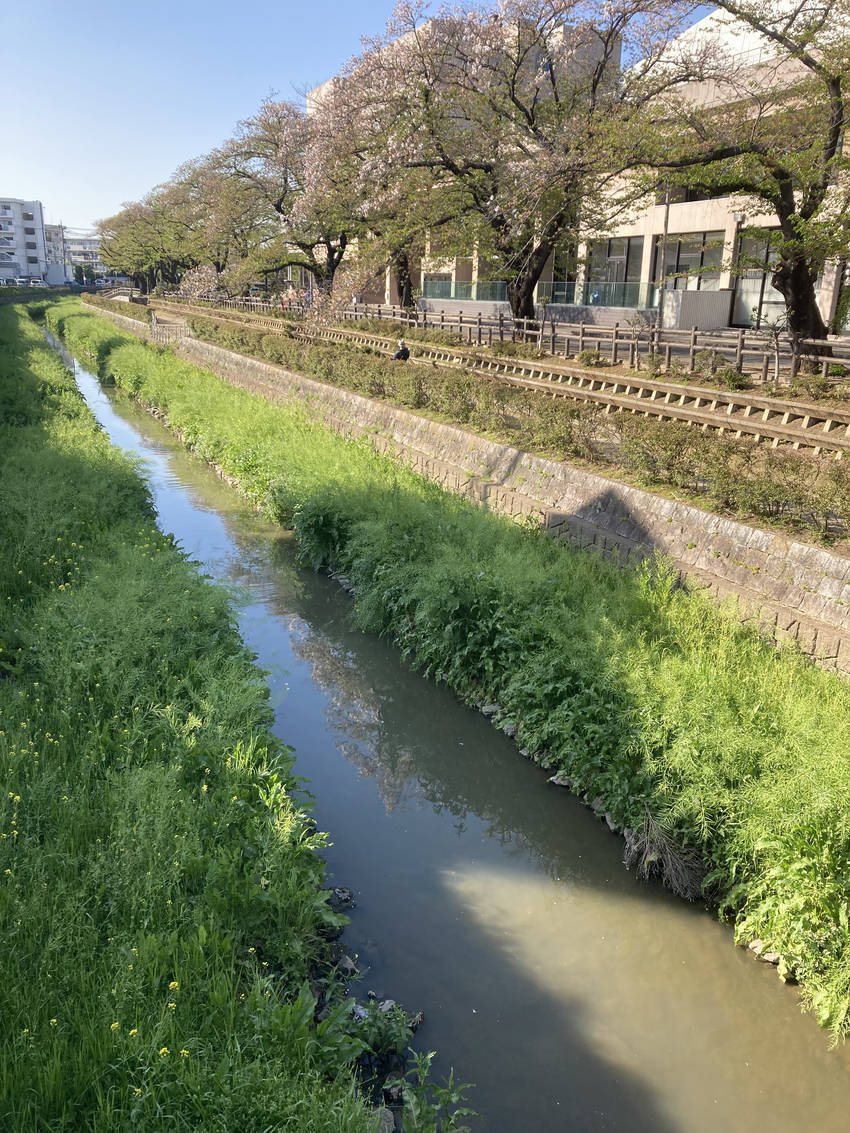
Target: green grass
650, 699
160, 883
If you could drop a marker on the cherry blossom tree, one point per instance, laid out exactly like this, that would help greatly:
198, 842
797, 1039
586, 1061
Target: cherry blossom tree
771, 131
518, 115
279, 156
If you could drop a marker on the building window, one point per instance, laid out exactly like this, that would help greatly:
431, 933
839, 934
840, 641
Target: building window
614, 275
29, 232
692, 261
32, 259
755, 297
31, 244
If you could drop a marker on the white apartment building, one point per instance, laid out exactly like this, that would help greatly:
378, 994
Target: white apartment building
23, 253
83, 248
54, 242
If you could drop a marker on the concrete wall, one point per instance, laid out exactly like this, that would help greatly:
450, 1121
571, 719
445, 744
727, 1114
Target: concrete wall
793, 590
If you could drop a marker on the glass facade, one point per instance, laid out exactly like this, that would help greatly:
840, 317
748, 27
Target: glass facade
692, 261
755, 297
440, 285
614, 274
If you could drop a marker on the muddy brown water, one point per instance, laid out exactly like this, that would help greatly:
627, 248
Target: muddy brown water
575, 997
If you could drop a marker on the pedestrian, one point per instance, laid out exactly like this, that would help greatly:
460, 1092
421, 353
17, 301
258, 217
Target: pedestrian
403, 353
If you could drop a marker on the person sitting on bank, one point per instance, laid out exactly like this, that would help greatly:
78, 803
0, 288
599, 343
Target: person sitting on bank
403, 353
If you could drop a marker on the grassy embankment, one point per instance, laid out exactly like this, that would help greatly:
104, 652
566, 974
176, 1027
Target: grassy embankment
160, 884
647, 698
733, 475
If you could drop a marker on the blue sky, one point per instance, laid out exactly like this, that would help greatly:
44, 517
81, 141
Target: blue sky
103, 100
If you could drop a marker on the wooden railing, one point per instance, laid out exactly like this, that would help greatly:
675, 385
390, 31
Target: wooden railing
634, 344
802, 425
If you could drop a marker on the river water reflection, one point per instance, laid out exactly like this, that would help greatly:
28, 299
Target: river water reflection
575, 997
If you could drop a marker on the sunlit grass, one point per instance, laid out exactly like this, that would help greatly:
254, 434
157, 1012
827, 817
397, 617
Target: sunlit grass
159, 882
647, 697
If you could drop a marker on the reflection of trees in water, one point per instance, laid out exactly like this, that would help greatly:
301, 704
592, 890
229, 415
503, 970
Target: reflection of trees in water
354, 708
397, 729
399, 740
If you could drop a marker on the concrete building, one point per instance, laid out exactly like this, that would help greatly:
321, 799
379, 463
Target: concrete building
23, 254
678, 249
54, 242
82, 248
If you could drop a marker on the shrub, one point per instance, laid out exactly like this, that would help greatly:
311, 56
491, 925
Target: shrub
662, 450
813, 385
505, 348
279, 349
589, 357
728, 377
453, 396
707, 362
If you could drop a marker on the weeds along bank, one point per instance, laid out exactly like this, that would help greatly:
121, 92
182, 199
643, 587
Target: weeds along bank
160, 884
733, 474
727, 758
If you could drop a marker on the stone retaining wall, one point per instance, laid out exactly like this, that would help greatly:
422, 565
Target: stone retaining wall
794, 590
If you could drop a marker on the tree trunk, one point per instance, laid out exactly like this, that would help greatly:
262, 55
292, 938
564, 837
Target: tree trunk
530, 269
400, 264
521, 295
795, 280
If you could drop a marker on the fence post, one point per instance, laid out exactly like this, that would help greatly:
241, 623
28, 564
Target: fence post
580, 337
442, 319
490, 335
379, 310
552, 340
668, 349
765, 363
479, 328
567, 344
739, 352
614, 344
501, 327
692, 352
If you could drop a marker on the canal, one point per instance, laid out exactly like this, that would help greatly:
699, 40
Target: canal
575, 997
